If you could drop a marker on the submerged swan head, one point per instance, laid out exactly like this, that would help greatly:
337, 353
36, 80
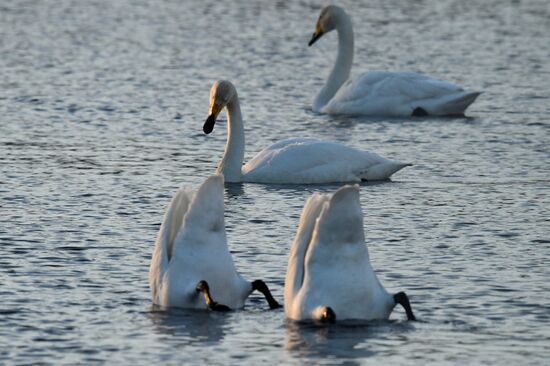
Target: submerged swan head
221, 94
324, 314
328, 20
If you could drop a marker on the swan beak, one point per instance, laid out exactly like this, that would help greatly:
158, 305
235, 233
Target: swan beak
316, 35
215, 109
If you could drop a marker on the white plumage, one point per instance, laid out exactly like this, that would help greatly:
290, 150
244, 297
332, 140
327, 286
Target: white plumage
380, 93
191, 247
295, 160
328, 267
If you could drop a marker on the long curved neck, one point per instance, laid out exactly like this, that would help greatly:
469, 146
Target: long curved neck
340, 71
232, 161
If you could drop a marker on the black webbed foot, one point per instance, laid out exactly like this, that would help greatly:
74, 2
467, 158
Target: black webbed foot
402, 299
220, 307
419, 112
202, 286
262, 287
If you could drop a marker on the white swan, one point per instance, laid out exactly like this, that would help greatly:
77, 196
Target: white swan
329, 274
380, 93
191, 258
297, 160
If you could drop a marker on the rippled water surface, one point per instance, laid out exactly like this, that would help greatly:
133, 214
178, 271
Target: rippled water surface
101, 112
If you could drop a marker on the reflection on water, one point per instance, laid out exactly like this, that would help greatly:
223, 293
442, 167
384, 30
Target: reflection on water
349, 342
234, 189
327, 341
189, 327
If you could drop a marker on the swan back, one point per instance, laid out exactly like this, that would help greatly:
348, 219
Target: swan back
398, 94
306, 161
336, 270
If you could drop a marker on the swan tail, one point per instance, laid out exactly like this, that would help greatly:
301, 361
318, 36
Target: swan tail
383, 170
340, 221
208, 206
203, 222
343, 211
455, 104
295, 269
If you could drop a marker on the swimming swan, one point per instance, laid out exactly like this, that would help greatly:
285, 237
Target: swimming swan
191, 258
380, 93
329, 275
296, 160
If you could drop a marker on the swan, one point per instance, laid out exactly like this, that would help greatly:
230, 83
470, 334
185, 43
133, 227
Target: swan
191, 258
329, 275
290, 161
393, 94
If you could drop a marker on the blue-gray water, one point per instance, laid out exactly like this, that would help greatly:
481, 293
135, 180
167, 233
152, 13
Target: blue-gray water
101, 112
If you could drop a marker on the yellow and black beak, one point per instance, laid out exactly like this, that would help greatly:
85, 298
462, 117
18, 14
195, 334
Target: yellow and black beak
316, 35
215, 109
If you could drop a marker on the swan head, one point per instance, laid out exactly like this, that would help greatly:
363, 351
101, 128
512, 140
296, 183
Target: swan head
328, 20
221, 93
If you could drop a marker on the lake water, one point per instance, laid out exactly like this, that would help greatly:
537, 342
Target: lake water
102, 105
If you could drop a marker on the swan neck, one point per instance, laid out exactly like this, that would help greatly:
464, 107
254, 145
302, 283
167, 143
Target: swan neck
341, 70
232, 161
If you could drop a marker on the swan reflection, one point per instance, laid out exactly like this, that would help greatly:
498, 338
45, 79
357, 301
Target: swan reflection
190, 327
345, 341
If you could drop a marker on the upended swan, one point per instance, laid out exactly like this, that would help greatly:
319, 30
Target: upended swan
290, 161
191, 265
329, 275
380, 93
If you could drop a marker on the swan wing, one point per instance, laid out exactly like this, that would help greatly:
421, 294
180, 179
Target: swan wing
295, 269
399, 94
306, 161
162, 252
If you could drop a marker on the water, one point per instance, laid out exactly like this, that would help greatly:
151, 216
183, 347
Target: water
102, 105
